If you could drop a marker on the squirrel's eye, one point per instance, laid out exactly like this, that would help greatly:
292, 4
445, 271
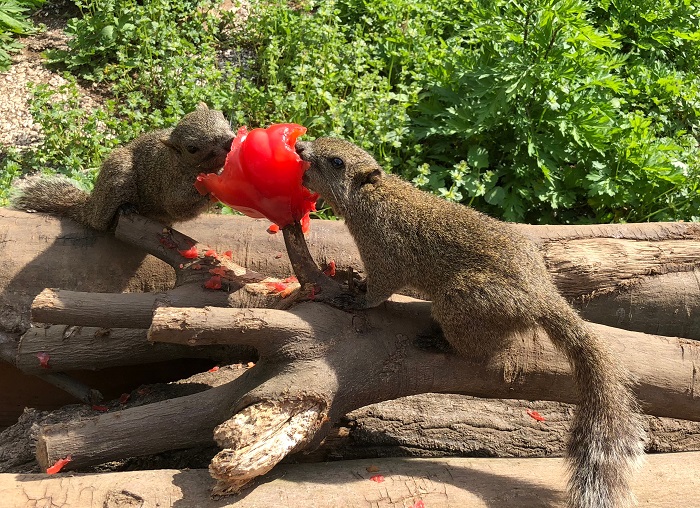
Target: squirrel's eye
192, 148
337, 162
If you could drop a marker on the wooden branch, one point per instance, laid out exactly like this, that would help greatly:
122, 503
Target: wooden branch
48, 252
90, 348
350, 361
662, 366
135, 310
663, 480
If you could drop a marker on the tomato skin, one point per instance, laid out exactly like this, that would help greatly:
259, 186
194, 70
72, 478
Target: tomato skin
58, 465
262, 176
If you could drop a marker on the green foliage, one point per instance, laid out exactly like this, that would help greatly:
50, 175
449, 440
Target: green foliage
552, 111
562, 120
13, 22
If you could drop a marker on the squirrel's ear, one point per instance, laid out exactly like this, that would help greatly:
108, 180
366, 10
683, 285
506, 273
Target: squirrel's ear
370, 177
202, 105
166, 141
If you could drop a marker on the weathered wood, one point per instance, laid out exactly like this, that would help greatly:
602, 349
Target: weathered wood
668, 480
347, 361
440, 425
43, 251
79, 348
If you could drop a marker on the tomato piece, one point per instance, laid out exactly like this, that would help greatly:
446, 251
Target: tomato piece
262, 176
44, 360
58, 465
330, 270
377, 478
534, 414
190, 253
213, 283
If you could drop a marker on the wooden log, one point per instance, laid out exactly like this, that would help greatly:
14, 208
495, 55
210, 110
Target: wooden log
48, 252
440, 425
78, 348
667, 480
348, 361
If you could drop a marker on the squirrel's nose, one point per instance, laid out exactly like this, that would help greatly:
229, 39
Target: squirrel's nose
303, 148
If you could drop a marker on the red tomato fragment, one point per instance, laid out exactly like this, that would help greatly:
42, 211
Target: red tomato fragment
44, 360
377, 478
219, 270
276, 286
306, 222
228, 254
419, 504
274, 228
190, 253
330, 270
535, 415
213, 283
262, 176
212, 254
124, 398
214, 368
101, 409
58, 465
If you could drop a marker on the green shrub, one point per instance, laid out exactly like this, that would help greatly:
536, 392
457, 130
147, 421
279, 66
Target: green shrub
552, 111
13, 22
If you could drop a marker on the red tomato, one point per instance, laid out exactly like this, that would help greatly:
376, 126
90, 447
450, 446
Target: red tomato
190, 253
262, 176
534, 414
330, 270
44, 360
58, 465
274, 228
377, 478
213, 283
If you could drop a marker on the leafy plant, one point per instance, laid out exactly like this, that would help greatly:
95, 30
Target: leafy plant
14, 22
548, 111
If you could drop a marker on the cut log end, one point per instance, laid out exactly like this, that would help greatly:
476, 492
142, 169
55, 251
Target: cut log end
257, 438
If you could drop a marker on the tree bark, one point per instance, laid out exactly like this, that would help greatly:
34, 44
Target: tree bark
668, 480
48, 252
343, 362
318, 363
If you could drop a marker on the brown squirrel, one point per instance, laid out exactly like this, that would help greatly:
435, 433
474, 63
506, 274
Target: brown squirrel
485, 281
153, 174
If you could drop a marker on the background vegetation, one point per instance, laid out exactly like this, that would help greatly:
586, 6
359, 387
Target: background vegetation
14, 22
542, 111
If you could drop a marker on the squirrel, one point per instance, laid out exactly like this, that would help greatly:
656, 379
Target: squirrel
485, 281
154, 174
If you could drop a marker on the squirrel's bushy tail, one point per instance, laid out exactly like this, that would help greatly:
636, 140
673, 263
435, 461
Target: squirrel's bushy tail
607, 435
54, 194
